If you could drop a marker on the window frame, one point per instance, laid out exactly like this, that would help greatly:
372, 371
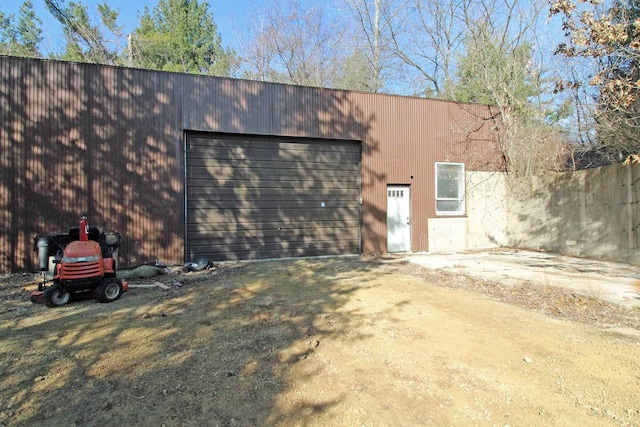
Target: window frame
462, 190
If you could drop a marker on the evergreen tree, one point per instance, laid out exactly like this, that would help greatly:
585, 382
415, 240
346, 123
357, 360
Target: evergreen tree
181, 35
86, 41
21, 38
495, 72
500, 71
356, 73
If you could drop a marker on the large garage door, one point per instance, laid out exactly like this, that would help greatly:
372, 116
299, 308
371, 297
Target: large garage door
263, 197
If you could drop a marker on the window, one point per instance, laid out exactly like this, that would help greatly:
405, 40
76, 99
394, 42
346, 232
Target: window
450, 189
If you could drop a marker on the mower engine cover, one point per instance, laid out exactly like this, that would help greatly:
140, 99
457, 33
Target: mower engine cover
82, 251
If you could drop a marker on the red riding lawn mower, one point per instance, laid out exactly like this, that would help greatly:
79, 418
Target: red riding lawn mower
82, 262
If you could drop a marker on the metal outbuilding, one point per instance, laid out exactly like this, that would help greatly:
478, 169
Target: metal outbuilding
187, 166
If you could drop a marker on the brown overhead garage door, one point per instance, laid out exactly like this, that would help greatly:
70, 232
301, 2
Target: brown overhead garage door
256, 197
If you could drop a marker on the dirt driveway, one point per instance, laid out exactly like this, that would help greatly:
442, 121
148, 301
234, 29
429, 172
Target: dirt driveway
326, 342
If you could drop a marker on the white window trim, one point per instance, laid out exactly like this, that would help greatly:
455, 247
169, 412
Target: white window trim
462, 200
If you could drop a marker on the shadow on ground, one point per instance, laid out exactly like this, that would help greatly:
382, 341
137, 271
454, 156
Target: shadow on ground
214, 350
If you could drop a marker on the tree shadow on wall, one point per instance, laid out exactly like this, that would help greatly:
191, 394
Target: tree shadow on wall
281, 176
85, 139
109, 142
591, 213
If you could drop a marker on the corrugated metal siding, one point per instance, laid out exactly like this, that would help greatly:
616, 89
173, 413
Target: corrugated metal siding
404, 139
88, 139
256, 108
109, 142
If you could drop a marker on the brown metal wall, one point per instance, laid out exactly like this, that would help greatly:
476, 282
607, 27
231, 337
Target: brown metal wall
109, 142
88, 139
405, 138
246, 107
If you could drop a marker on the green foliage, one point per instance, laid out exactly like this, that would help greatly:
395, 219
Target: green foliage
177, 35
181, 35
496, 72
84, 40
500, 71
356, 73
21, 38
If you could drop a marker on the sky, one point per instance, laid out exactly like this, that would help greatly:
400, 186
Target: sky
231, 16
226, 13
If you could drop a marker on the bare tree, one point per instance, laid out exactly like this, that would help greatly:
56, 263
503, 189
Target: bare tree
483, 51
86, 41
293, 45
429, 35
372, 32
427, 44
500, 71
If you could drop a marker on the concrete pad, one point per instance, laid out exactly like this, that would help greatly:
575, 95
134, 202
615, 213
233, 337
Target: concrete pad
615, 283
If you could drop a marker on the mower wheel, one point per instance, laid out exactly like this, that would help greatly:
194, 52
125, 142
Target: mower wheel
109, 290
55, 296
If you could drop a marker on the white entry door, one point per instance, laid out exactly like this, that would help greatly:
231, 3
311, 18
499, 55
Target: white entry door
398, 219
